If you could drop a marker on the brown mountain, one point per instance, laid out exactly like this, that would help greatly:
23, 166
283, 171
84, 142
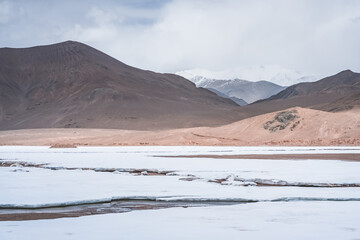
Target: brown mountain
335, 93
73, 85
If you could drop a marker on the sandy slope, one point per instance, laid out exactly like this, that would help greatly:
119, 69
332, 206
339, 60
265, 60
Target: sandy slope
309, 127
314, 128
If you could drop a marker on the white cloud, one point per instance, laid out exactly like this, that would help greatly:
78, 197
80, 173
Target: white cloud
102, 29
5, 8
319, 37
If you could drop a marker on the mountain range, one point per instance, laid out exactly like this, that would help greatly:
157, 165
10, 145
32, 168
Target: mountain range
72, 85
239, 89
272, 73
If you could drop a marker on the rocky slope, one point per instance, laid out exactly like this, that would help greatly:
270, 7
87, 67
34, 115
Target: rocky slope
73, 85
293, 126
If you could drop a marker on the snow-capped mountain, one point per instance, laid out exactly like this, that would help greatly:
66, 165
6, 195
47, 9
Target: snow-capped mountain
271, 73
240, 90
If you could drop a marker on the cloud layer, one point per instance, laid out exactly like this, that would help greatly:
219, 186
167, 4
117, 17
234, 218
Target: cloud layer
320, 37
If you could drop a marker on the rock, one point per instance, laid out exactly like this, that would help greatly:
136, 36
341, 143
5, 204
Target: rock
282, 120
63, 145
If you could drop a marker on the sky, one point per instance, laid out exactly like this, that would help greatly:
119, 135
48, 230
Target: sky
319, 37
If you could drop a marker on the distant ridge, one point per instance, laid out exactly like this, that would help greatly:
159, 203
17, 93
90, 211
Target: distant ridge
238, 101
240, 89
335, 93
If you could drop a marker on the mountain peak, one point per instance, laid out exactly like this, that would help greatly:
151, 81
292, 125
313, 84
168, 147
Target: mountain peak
69, 44
346, 72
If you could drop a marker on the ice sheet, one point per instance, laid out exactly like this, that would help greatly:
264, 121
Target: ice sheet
36, 186
142, 158
294, 220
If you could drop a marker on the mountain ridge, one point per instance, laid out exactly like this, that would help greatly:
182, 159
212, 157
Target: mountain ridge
70, 84
334, 93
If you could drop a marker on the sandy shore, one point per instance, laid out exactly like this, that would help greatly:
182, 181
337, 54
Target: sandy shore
337, 156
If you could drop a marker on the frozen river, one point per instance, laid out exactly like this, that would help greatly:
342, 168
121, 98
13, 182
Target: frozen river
93, 192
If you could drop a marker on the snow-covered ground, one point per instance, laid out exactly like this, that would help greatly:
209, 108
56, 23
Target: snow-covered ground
95, 174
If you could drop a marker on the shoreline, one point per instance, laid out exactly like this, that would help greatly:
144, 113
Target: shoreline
121, 206
326, 156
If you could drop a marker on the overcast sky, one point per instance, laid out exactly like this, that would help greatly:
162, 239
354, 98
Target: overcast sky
320, 37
